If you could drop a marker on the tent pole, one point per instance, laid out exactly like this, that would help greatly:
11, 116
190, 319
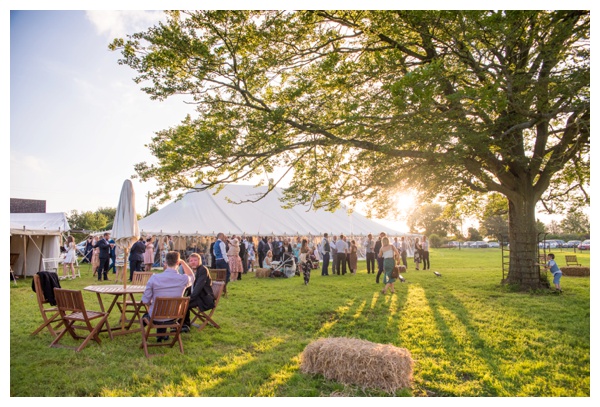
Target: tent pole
42, 256
25, 257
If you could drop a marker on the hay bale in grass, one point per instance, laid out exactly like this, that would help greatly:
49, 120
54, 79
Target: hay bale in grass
359, 362
262, 273
575, 271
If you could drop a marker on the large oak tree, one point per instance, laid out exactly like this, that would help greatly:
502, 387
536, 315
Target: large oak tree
358, 105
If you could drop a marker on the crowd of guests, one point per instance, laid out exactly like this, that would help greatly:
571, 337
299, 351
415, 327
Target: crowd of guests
240, 254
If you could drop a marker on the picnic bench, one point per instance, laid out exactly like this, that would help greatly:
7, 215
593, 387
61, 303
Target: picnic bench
571, 260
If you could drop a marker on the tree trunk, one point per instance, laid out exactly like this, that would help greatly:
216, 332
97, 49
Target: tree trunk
524, 270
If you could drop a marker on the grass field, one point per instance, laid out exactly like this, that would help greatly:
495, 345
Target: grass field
469, 336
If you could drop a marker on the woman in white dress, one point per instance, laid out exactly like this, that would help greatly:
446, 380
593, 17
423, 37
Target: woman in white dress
69, 261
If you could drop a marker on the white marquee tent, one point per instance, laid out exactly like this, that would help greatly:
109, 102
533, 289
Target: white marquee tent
205, 214
35, 236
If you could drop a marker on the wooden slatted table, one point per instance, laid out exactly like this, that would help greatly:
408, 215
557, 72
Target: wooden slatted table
120, 292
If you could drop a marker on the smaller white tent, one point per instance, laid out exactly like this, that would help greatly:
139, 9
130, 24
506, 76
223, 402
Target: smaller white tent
206, 214
34, 236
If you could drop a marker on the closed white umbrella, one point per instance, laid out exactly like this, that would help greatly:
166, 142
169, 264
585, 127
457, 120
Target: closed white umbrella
125, 229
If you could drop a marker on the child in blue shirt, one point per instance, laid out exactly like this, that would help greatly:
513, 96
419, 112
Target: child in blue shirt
555, 271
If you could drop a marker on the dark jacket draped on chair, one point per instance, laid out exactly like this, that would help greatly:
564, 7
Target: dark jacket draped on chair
48, 281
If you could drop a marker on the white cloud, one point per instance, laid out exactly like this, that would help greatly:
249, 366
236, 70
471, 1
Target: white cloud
27, 163
119, 23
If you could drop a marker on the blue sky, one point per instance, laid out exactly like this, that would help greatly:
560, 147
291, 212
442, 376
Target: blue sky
78, 122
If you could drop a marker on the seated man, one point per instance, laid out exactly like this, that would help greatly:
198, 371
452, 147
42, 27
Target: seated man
202, 294
169, 283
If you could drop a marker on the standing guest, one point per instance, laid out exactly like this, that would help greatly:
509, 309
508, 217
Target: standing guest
169, 283
425, 252
304, 260
164, 249
136, 257
103, 256
69, 261
263, 248
149, 254
244, 254
113, 256
369, 244
390, 255
341, 248
211, 252
95, 252
287, 247
377, 248
120, 262
556, 272
296, 248
235, 262
220, 253
316, 255
325, 250
396, 244
202, 294
403, 251
251, 254
353, 257
171, 243
417, 253
345, 239
276, 248
334, 258
88, 249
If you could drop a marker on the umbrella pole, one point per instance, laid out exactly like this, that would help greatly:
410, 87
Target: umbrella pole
124, 286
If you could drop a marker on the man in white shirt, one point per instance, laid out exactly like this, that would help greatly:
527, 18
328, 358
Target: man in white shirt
169, 283
342, 249
369, 245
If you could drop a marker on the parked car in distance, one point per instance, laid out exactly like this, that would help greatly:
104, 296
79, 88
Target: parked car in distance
468, 244
451, 245
585, 245
481, 245
81, 248
572, 243
560, 243
548, 244
493, 244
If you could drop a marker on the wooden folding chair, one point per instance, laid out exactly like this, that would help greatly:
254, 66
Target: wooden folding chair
218, 288
219, 275
167, 313
49, 314
131, 306
76, 317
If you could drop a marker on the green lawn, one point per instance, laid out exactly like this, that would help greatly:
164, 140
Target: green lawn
469, 336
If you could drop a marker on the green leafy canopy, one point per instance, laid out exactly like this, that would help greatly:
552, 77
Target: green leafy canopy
360, 105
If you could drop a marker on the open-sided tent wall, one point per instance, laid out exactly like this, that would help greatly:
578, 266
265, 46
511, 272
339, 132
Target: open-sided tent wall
205, 214
35, 236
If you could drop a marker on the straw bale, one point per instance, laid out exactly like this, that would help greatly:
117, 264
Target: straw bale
575, 271
262, 273
359, 362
